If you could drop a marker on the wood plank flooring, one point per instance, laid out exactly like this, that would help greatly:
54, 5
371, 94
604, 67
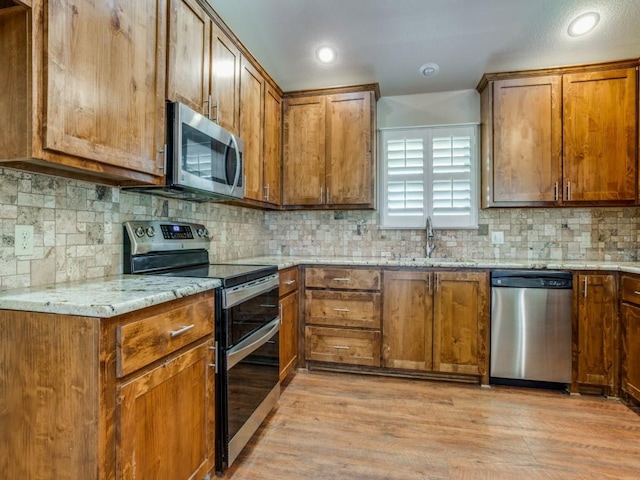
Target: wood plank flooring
346, 426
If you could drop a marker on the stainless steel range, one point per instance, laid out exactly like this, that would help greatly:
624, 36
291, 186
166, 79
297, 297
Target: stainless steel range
247, 323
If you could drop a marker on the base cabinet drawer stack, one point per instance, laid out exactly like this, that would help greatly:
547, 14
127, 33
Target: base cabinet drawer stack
630, 306
342, 316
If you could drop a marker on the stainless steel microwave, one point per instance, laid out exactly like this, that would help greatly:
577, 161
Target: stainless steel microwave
204, 162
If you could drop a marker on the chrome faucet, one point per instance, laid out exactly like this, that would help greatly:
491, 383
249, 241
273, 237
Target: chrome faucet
431, 246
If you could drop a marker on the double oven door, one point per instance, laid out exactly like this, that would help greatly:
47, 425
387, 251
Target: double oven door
249, 378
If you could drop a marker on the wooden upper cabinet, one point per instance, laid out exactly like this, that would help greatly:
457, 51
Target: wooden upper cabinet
560, 136
96, 109
597, 314
251, 128
349, 133
527, 141
328, 147
600, 136
461, 323
272, 171
304, 151
189, 55
225, 80
407, 328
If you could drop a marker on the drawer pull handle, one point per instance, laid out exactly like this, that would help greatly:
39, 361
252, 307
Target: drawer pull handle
181, 330
341, 279
268, 305
289, 282
341, 347
341, 310
636, 292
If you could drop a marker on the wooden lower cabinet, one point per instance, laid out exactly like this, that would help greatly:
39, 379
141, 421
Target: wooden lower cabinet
630, 334
289, 325
161, 416
436, 322
66, 411
407, 331
342, 311
596, 317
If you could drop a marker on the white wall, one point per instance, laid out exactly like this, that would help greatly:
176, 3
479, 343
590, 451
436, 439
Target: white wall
442, 108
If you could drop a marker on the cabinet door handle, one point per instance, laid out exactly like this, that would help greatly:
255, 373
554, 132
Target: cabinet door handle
341, 310
321, 194
217, 107
181, 330
555, 192
585, 287
328, 197
208, 112
289, 282
342, 279
636, 292
568, 190
341, 347
266, 192
429, 278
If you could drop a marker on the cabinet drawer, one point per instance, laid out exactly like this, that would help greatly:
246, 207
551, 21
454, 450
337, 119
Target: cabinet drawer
152, 337
342, 309
342, 278
630, 289
288, 280
338, 345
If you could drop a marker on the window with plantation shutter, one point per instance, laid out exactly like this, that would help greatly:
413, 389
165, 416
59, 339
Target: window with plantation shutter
429, 171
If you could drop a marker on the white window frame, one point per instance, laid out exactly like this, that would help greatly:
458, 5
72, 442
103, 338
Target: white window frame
427, 133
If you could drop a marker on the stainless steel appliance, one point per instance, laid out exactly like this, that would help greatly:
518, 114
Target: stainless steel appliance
247, 324
531, 326
204, 162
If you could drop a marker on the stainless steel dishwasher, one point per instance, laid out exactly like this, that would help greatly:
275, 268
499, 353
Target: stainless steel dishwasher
531, 326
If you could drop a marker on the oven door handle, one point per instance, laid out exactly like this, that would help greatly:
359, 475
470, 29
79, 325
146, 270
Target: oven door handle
252, 343
235, 295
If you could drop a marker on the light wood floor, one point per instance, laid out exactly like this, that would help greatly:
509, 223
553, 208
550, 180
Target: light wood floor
345, 426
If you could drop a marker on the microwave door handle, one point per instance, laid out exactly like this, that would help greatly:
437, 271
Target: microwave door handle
238, 162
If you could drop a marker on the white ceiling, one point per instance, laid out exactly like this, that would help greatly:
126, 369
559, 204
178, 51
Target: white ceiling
386, 41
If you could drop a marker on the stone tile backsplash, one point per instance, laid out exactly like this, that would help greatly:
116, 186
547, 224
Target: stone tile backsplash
78, 231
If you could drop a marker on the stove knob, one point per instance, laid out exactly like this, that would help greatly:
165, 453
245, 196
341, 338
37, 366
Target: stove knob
201, 232
205, 233
151, 232
139, 232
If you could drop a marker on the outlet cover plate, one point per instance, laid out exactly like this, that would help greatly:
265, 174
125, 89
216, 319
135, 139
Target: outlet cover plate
497, 238
24, 240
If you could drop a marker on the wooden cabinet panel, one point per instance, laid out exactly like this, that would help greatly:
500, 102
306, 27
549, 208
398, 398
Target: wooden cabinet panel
189, 55
288, 280
161, 417
630, 289
349, 175
527, 140
112, 110
596, 319
146, 340
342, 345
288, 333
347, 309
272, 146
600, 136
342, 278
251, 123
225, 80
407, 331
631, 350
304, 151
461, 323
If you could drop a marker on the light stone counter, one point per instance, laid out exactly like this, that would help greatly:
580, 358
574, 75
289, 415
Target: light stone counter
290, 261
103, 298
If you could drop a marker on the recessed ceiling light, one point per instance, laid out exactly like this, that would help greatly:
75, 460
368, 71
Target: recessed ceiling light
583, 24
429, 69
326, 54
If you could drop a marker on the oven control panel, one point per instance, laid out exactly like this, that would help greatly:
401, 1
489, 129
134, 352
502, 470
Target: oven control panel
158, 236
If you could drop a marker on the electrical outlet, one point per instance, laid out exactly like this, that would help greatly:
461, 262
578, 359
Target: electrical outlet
497, 238
24, 240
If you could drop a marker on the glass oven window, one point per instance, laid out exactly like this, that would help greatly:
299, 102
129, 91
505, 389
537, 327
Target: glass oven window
206, 157
249, 316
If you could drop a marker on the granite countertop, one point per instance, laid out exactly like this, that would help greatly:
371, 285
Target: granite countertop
107, 297
290, 261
